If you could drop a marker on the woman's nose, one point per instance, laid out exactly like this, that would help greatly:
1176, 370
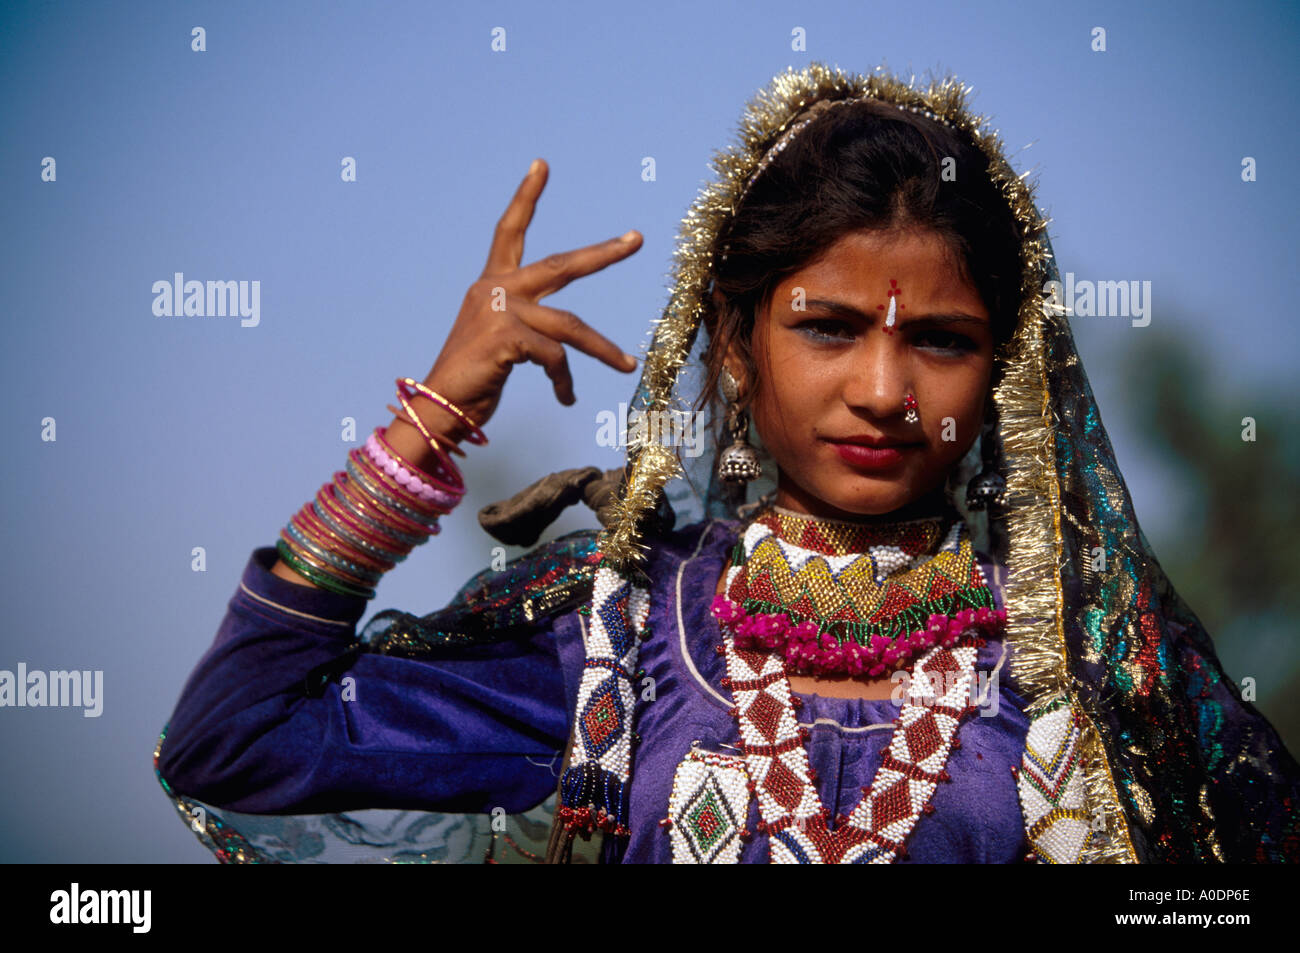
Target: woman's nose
875, 376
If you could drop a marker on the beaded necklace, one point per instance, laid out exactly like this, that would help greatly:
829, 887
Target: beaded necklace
869, 584
910, 769
849, 598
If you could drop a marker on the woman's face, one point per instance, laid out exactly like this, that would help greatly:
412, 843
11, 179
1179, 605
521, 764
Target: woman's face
834, 368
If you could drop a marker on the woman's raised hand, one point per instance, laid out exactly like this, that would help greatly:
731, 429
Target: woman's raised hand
501, 324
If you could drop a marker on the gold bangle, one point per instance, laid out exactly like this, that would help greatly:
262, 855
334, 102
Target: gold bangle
476, 435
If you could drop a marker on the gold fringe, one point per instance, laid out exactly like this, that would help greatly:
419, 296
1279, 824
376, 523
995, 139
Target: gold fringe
1033, 595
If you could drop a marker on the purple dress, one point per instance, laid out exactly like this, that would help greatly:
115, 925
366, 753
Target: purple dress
484, 727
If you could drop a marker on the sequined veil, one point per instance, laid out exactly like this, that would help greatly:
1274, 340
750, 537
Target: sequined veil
1127, 699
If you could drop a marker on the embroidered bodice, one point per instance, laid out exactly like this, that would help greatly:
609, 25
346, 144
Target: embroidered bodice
689, 766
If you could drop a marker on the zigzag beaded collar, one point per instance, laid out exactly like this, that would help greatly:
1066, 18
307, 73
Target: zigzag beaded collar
853, 598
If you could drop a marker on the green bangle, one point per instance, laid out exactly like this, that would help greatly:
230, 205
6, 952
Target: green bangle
317, 576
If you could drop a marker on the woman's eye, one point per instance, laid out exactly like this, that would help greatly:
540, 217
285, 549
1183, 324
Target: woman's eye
945, 341
829, 330
826, 330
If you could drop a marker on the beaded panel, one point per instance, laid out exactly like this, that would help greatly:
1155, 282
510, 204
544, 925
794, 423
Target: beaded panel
1051, 785
596, 784
842, 538
707, 808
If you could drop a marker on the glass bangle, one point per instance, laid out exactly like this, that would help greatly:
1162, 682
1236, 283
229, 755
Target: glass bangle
346, 545
319, 578
475, 436
383, 493
309, 539
320, 565
340, 519
425, 507
439, 481
445, 469
347, 494
446, 445
325, 562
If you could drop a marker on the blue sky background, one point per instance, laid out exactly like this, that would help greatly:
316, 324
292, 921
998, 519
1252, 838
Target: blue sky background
183, 432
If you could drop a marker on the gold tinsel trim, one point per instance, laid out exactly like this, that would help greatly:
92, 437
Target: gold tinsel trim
1033, 591
1033, 595
655, 466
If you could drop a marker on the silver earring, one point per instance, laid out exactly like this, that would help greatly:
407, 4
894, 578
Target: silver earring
988, 487
738, 463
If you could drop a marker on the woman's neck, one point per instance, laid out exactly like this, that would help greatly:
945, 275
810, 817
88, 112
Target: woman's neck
933, 504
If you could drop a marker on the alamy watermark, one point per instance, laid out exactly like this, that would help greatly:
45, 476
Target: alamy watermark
1103, 299
211, 299
132, 907
929, 688
669, 427
57, 689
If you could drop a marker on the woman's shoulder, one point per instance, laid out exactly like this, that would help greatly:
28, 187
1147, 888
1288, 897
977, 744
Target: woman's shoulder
551, 579
702, 537
504, 600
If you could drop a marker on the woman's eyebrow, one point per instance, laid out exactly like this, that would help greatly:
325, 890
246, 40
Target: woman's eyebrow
848, 311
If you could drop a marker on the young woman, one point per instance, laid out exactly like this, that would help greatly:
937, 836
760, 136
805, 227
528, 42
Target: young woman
939, 636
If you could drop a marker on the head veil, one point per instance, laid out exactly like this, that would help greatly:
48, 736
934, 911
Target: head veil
1172, 765
1175, 766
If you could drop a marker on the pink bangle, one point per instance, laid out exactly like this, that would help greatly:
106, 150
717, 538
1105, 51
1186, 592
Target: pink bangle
406, 494
414, 480
448, 478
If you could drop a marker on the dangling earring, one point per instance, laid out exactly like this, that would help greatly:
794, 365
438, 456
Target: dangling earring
738, 464
910, 405
988, 487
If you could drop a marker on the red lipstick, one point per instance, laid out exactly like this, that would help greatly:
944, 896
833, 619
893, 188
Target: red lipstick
870, 453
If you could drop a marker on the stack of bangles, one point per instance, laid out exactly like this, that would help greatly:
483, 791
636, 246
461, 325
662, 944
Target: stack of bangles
370, 517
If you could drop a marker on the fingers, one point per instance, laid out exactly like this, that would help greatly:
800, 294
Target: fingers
538, 348
508, 240
553, 272
559, 325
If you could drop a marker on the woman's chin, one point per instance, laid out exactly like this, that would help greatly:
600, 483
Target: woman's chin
879, 501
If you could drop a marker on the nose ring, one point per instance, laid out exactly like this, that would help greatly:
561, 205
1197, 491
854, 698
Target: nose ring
909, 404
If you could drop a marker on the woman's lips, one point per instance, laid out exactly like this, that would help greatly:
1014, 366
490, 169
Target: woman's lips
871, 458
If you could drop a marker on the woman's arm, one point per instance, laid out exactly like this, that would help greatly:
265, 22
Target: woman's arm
500, 324
463, 734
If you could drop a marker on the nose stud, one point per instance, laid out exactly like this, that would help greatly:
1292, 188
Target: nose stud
910, 405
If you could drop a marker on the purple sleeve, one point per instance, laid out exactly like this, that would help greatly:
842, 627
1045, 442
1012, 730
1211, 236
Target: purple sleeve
466, 733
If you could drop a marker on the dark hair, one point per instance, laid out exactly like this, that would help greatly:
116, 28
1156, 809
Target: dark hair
866, 165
